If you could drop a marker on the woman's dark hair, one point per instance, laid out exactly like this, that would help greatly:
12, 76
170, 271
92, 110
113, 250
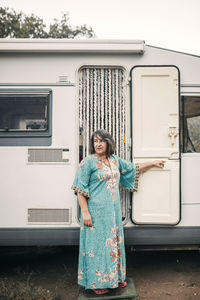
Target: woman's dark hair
106, 137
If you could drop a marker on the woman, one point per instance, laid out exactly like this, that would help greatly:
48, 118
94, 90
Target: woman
101, 253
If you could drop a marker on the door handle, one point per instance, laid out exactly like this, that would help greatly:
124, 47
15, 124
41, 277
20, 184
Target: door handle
171, 155
173, 132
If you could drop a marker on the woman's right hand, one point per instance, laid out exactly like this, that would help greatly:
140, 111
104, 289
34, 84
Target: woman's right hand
87, 220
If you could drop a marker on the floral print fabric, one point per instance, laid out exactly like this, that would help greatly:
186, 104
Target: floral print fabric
101, 251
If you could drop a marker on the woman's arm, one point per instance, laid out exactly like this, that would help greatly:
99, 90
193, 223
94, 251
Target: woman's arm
87, 220
148, 165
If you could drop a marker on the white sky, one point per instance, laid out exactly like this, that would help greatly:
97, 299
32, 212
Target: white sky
172, 24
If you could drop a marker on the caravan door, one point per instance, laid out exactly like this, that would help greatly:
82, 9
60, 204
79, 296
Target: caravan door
155, 136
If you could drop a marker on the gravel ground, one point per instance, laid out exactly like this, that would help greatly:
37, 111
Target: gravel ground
50, 273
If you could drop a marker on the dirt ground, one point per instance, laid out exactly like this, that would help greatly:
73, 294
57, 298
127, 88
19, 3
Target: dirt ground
157, 275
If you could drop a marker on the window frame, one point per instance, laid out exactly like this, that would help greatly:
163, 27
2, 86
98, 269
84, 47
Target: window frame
29, 137
184, 125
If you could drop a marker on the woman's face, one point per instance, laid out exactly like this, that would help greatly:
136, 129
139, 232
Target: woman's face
100, 145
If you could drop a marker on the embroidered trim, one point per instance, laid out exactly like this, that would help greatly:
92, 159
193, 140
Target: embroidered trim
80, 191
137, 175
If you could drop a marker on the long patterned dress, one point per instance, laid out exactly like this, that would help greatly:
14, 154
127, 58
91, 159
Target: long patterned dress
101, 251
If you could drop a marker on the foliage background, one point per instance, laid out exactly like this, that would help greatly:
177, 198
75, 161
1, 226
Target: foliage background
19, 25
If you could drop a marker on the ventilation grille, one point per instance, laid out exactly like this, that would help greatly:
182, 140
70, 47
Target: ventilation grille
48, 215
47, 155
102, 105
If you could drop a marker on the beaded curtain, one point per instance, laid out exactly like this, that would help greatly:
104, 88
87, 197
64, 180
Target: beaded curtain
102, 105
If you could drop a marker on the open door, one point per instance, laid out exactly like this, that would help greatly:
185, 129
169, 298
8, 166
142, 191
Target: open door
155, 135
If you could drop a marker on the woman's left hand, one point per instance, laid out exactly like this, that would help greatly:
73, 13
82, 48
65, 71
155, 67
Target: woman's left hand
158, 163
150, 164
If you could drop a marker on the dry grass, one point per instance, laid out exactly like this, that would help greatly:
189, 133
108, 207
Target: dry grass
24, 289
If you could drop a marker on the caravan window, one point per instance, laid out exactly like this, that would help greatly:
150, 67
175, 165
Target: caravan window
191, 123
23, 112
25, 117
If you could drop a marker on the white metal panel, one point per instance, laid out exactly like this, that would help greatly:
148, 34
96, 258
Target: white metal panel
155, 96
156, 199
190, 215
190, 178
42, 185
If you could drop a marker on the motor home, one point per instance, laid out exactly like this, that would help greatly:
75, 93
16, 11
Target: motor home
54, 94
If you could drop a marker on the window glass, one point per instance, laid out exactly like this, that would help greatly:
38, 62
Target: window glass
194, 132
191, 123
23, 112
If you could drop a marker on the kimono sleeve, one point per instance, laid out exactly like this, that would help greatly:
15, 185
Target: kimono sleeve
129, 175
82, 178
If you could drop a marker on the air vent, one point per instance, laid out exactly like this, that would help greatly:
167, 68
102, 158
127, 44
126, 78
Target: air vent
48, 155
63, 78
38, 215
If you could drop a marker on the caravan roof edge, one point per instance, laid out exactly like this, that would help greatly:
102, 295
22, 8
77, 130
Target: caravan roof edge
71, 45
176, 51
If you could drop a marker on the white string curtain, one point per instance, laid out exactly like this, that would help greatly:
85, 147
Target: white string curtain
102, 106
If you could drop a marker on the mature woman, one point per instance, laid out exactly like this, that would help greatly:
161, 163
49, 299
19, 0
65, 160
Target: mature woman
101, 254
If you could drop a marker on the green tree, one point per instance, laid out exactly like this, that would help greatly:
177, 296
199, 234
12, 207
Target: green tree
20, 25
61, 29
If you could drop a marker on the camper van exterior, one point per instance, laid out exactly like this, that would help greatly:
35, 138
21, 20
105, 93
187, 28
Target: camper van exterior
54, 94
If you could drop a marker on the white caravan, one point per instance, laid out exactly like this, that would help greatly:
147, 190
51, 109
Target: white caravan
54, 94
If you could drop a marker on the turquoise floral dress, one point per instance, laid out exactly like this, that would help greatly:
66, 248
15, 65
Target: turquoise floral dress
101, 251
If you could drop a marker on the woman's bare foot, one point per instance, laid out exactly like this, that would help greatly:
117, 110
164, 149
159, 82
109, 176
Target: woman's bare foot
122, 284
100, 291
